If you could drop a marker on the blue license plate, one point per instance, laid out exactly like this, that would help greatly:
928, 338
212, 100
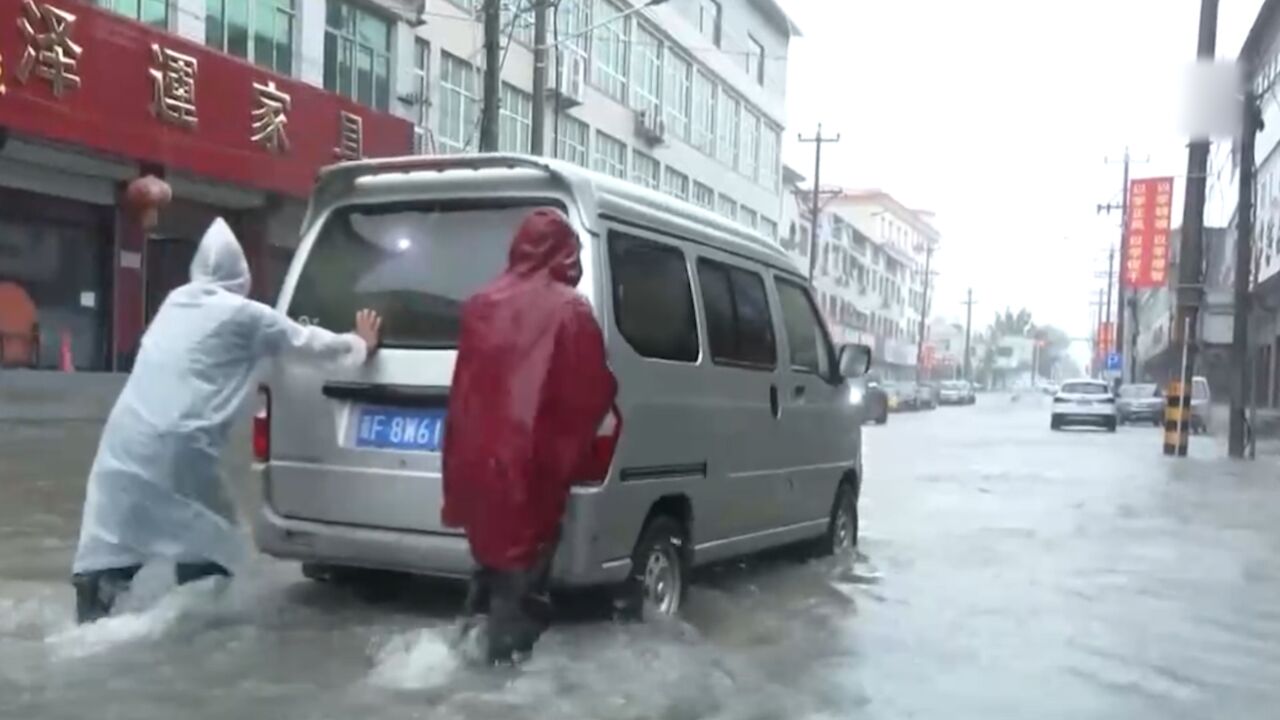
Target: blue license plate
397, 429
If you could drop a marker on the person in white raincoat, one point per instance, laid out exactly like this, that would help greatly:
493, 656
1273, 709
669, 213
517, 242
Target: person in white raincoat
155, 491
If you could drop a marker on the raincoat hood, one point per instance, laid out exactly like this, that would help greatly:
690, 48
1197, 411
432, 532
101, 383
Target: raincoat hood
220, 261
545, 243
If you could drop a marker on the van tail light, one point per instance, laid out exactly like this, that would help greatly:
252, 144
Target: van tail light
595, 468
262, 425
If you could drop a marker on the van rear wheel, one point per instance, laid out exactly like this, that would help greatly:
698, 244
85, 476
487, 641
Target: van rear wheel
659, 578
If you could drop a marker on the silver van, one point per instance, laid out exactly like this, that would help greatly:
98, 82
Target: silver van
734, 431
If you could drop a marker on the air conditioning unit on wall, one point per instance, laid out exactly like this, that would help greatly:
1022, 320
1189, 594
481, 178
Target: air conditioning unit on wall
651, 126
573, 79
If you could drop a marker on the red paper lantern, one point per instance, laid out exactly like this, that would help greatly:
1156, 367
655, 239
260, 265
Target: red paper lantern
145, 196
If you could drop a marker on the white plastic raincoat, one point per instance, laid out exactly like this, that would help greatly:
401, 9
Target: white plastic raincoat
155, 491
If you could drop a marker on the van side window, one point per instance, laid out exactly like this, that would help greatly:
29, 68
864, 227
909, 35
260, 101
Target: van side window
810, 349
739, 327
653, 298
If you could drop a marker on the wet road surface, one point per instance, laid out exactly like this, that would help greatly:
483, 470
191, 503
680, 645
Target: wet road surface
1009, 572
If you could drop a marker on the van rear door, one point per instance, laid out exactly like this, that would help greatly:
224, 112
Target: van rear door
364, 447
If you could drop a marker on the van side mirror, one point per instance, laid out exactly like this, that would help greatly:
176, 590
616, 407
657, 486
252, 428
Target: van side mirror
855, 361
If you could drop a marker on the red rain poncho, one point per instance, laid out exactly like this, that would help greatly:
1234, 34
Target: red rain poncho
529, 392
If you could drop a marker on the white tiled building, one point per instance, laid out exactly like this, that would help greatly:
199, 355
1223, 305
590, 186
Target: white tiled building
683, 95
686, 96
869, 274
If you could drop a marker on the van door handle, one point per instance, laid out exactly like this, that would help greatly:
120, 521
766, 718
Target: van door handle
798, 393
412, 396
774, 406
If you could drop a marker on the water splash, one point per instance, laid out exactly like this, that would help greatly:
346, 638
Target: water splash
418, 660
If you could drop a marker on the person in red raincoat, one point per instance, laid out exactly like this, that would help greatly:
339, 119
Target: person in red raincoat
530, 389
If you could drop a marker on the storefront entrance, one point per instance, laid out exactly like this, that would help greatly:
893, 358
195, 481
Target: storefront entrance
54, 255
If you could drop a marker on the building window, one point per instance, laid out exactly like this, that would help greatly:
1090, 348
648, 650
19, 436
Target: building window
260, 31
152, 12
653, 298
676, 183
357, 54
755, 60
645, 170
515, 118
459, 104
704, 196
769, 157
709, 20
646, 69
676, 94
574, 19
728, 207
574, 141
421, 96
521, 25
769, 229
611, 156
704, 113
610, 72
748, 217
730, 108
749, 160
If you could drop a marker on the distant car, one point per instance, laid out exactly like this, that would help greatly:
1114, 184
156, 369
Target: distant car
956, 392
1140, 402
877, 403
1049, 389
928, 396
1084, 402
901, 397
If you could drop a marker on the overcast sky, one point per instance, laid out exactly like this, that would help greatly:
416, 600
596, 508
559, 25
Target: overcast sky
1000, 116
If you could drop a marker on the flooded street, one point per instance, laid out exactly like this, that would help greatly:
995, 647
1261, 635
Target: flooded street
1009, 572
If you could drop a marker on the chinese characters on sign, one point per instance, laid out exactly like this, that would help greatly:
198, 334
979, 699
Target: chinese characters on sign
50, 53
270, 115
1146, 261
173, 86
350, 137
1103, 342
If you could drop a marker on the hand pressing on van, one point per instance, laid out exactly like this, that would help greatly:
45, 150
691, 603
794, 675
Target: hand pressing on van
369, 329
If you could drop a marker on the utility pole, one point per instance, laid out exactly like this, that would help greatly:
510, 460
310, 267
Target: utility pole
1191, 255
1128, 372
1240, 380
924, 310
968, 329
818, 139
1111, 273
1098, 342
492, 75
538, 124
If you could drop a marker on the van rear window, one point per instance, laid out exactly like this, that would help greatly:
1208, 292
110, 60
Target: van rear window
414, 263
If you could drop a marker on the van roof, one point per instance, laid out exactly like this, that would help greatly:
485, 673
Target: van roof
598, 194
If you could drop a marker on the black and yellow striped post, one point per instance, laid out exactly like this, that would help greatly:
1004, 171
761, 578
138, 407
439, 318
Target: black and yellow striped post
1177, 420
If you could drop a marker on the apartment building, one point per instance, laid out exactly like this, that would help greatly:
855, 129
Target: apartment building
683, 96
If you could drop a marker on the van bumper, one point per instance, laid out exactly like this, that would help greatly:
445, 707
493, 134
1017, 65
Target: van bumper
420, 553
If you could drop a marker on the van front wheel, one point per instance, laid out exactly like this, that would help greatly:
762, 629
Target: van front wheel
659, 571
842, 528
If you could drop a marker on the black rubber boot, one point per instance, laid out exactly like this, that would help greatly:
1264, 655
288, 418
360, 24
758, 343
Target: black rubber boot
98, 591
191, 572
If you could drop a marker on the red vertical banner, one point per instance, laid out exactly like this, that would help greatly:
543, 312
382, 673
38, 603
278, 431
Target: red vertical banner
1146, 260
1103, 341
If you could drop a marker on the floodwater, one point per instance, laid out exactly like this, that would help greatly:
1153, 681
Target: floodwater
1007, 572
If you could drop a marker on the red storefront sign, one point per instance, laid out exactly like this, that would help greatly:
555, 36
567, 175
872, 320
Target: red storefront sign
1146, 260
73, 73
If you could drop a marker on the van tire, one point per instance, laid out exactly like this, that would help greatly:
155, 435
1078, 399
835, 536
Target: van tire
659, 569
844, 511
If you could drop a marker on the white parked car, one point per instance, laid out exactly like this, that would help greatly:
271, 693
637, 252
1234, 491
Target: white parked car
1084, 402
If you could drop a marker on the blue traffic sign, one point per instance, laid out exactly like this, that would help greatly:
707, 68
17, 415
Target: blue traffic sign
1113, 361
